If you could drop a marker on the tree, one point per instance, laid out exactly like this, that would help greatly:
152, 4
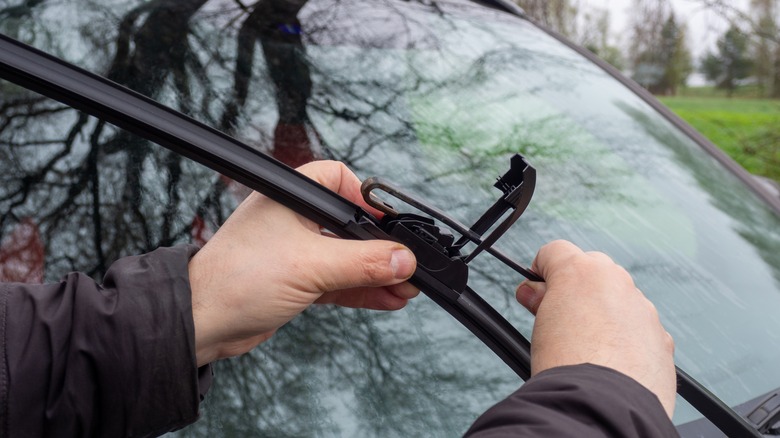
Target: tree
595, 37
559, 15
764, 47
711, 67
645, 32
659, 55
587, 27
675, 57
731, 63
760, 25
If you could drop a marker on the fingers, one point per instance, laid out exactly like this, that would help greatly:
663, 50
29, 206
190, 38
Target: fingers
550, 258
554, 255
564, 266
377, 298
337, 177
590, 311
366, 274
351, 264
530, 294
404, 290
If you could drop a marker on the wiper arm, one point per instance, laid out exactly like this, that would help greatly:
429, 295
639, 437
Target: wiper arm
99, 97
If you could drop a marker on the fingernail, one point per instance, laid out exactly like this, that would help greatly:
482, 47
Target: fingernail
402, 263
526, 295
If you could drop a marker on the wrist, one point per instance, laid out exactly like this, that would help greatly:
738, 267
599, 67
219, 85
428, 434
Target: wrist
206, 350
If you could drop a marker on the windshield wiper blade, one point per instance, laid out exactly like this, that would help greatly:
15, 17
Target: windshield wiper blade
106, 100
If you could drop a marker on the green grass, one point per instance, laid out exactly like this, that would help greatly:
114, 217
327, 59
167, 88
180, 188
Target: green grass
746, 129
745, 91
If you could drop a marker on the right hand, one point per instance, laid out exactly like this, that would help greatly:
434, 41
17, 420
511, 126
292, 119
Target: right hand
588, 310
267, 264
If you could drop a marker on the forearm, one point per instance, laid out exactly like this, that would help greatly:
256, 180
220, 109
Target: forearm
115, 359
579, 400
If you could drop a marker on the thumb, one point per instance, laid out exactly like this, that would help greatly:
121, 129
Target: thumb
530, 294
355, 263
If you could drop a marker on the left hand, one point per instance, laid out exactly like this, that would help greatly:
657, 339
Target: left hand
588, 310
267, 264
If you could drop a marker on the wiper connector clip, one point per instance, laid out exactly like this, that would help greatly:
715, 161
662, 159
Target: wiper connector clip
434, 246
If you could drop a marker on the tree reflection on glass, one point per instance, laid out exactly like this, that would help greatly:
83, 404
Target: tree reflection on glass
287, 78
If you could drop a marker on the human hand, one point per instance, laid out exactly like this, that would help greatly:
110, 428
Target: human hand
267, 264
589, 311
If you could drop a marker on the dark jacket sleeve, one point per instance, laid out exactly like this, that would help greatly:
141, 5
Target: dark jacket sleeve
577, 401
110, 360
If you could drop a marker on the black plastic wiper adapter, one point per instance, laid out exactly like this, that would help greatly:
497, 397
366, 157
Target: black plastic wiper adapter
517, 187
431, 246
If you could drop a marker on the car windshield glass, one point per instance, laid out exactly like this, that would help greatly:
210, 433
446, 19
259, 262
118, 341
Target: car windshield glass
432, 96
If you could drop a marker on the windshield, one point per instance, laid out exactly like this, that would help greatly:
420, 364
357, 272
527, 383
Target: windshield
434, 97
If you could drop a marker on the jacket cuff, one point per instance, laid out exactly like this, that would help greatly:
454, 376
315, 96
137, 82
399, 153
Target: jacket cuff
110, 359
582, 400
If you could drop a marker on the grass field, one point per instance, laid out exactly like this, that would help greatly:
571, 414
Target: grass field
747, 129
